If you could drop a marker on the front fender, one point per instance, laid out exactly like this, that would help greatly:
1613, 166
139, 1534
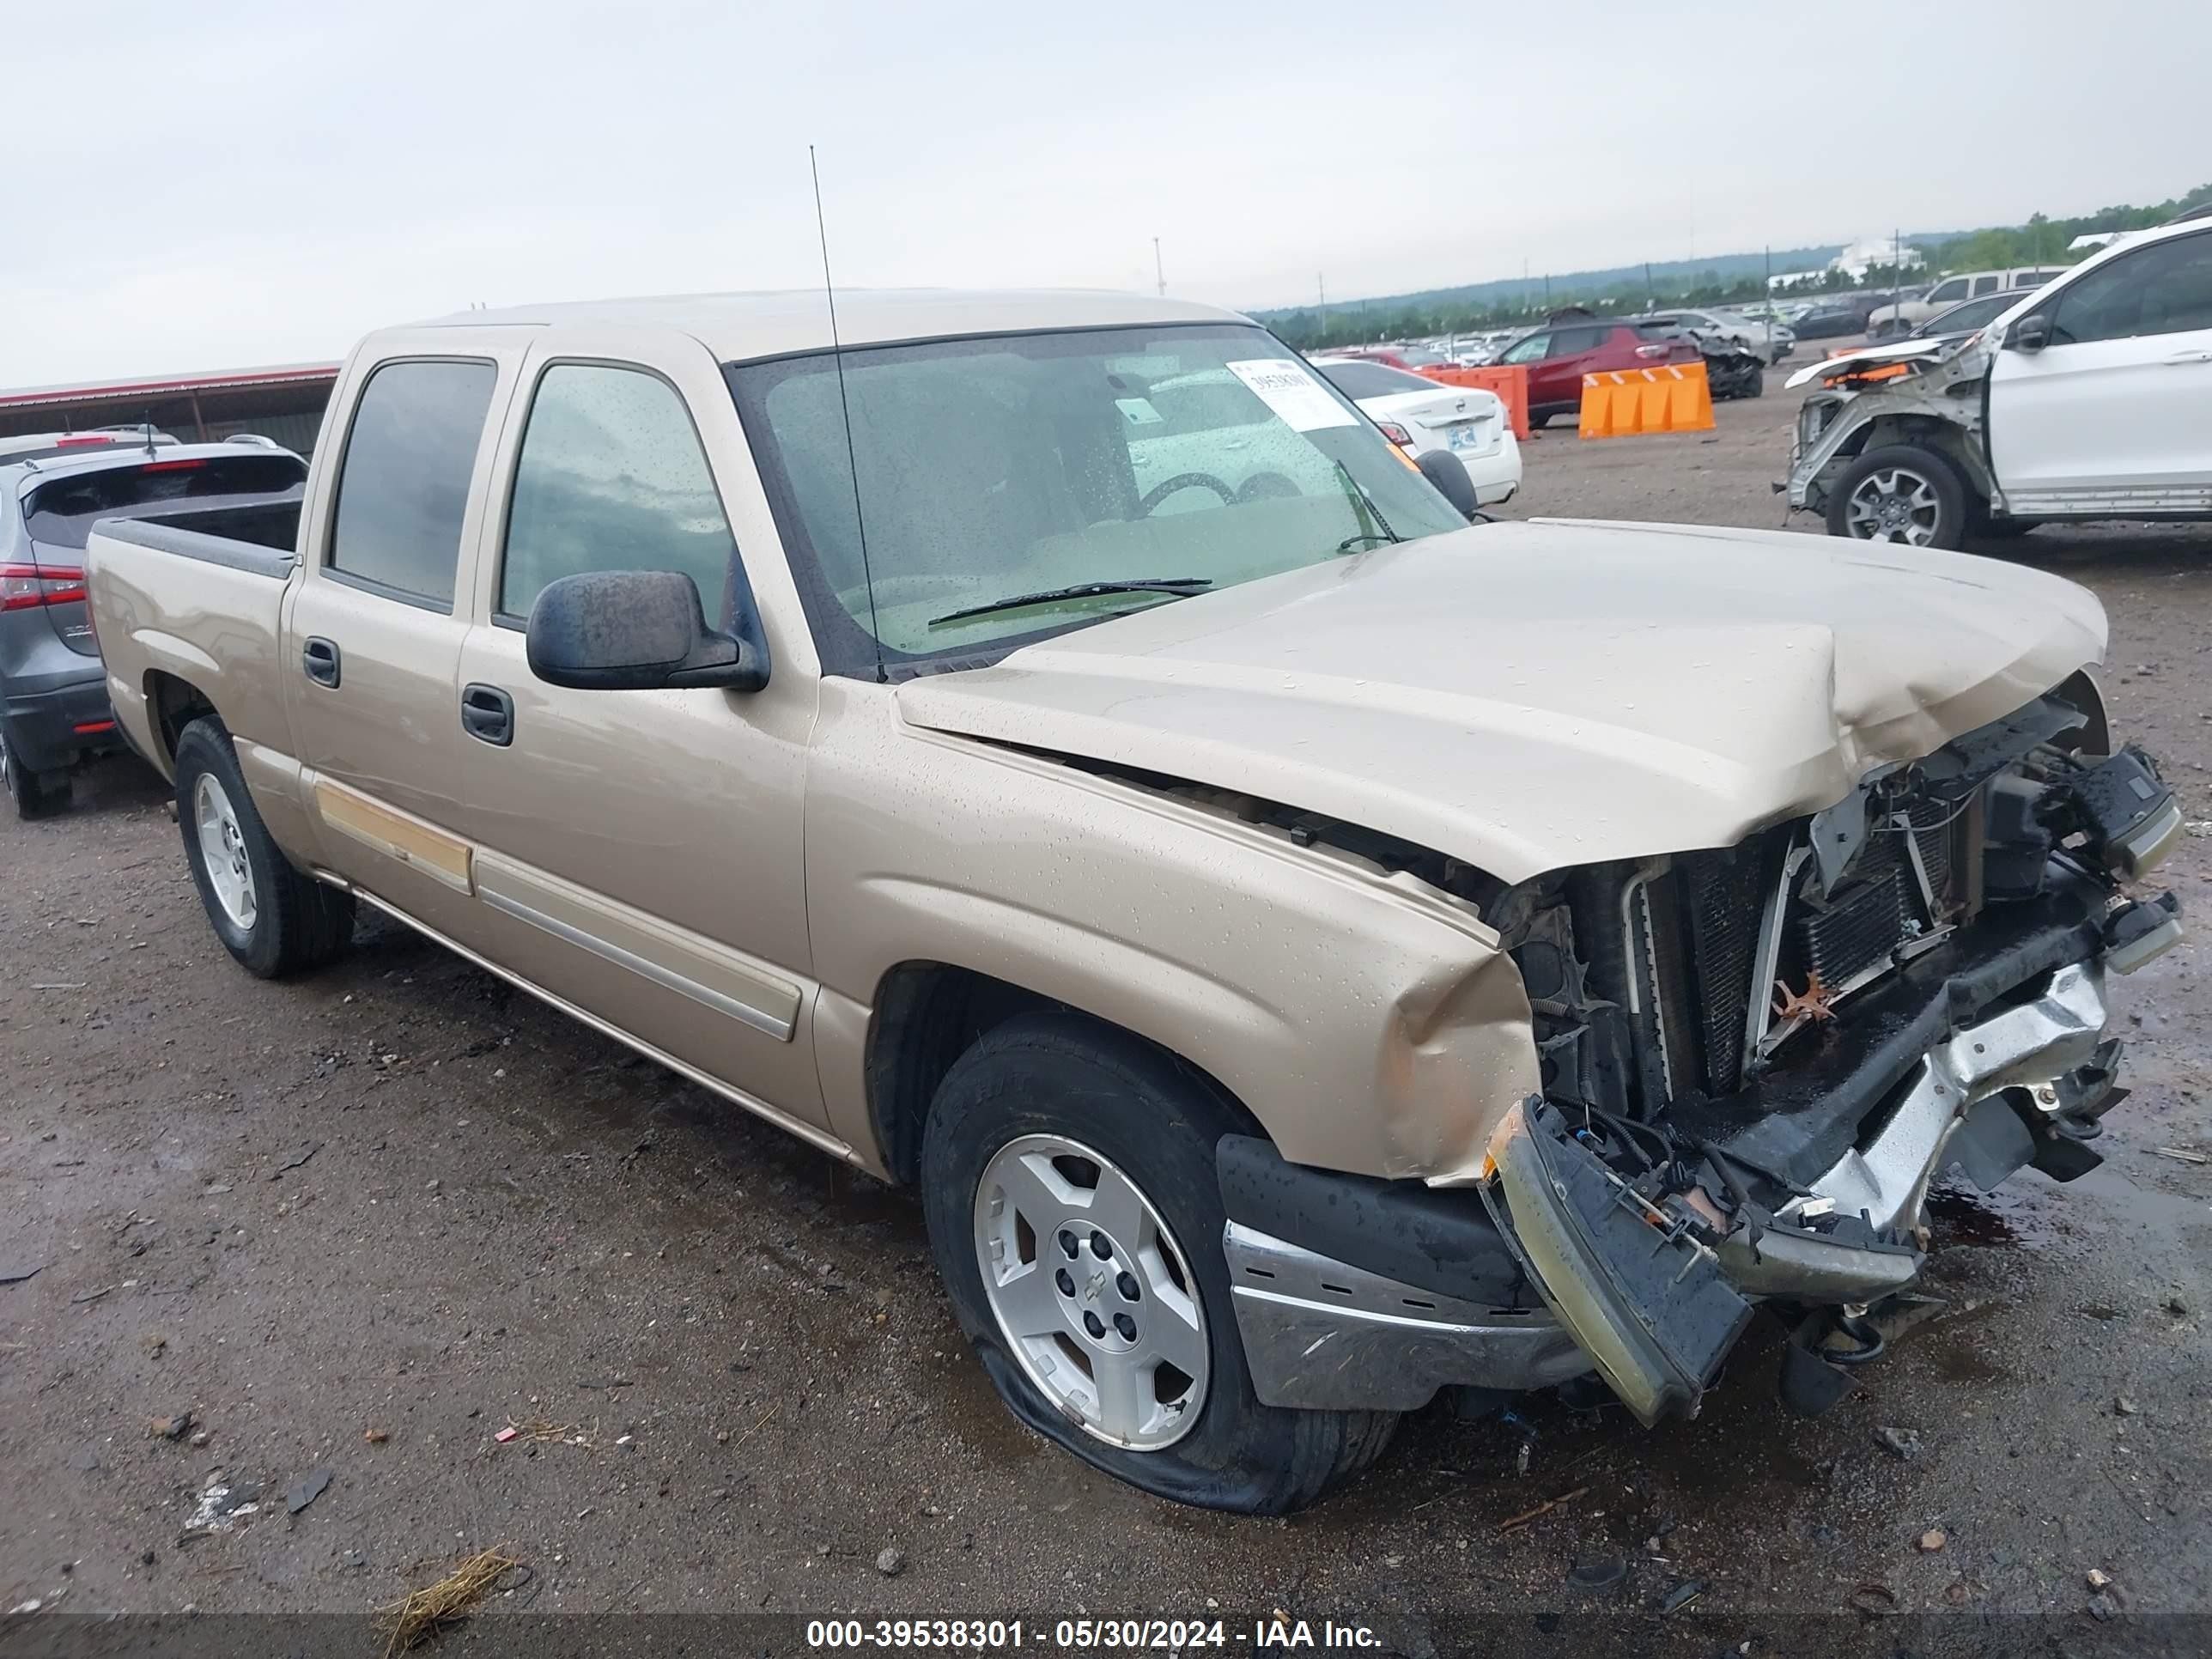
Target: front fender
1371, 1023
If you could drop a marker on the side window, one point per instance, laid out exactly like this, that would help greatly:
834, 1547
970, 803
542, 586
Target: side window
2165, 289
1986, 285
1944, 293
1535, 346
1569, 341
404, 484
611, 477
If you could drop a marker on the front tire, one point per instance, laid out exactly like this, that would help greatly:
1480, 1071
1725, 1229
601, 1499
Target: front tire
1900, 493
274, 920
1055, 1129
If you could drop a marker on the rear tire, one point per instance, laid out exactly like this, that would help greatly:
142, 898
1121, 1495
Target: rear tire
1149, 1125
274, 920
36, 794
1900, 493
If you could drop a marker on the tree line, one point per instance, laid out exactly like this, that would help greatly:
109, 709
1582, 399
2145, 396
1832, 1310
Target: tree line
2042, 240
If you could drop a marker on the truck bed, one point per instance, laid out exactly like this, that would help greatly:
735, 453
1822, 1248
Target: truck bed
188, 608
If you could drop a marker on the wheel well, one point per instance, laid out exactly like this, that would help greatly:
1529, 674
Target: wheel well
1954, 443
927, 1015
172, 704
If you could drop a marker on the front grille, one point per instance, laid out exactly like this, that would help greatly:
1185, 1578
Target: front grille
1858, 929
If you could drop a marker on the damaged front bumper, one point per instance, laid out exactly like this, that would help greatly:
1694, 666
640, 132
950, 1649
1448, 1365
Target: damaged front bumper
2018, 1075
1358, 1294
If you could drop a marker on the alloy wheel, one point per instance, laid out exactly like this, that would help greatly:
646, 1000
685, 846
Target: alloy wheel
1093, 1294
222, 850
1895, 504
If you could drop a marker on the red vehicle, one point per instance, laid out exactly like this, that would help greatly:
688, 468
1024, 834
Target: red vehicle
1559, 354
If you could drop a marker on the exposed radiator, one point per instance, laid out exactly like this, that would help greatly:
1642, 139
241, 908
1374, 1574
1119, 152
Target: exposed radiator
1884, 850
1726, 894
1858, 929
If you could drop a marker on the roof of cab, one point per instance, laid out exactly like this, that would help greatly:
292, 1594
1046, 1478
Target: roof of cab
738, 326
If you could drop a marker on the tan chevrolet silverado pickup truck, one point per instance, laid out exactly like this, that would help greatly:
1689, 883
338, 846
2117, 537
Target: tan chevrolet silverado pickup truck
1311, 953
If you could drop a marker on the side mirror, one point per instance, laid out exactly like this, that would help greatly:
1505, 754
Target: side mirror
1449, 474
635, 631
2030, 333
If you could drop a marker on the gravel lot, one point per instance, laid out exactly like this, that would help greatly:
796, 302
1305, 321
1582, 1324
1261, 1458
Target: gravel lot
363, 1222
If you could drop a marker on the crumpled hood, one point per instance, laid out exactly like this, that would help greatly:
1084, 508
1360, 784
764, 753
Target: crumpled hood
1525, 696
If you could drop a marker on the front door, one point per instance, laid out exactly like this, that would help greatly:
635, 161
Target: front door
638, 852
372, 641
1531, 354
2114, 416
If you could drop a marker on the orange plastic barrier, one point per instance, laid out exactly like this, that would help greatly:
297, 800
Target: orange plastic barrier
1629, 403
1511, 384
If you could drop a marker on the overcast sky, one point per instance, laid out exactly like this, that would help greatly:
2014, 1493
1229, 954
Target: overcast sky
204, 186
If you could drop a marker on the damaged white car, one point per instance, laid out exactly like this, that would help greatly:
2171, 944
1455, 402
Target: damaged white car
2092, 400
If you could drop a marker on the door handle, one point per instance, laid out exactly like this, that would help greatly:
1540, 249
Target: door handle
488, 714
2190, 357
319, 657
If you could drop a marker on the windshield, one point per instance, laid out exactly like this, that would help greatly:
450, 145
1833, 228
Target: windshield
1010, 468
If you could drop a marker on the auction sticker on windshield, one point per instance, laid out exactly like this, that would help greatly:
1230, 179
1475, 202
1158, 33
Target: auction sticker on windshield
1293, 392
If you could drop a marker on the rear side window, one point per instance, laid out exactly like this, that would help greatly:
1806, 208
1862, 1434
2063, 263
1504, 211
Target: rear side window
611, 477
404, 485
1569, 341
62, 514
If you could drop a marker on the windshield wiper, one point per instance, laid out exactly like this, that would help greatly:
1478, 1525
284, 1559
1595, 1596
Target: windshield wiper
1369, 515
1181, 587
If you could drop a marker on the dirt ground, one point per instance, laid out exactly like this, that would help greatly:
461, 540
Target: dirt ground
361, 1224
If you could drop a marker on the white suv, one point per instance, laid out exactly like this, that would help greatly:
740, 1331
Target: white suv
2088, 400
1885, 320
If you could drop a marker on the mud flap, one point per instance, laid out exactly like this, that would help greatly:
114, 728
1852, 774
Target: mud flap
1647, 1301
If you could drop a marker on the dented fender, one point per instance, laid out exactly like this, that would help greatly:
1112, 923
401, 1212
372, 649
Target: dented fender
1370, 1022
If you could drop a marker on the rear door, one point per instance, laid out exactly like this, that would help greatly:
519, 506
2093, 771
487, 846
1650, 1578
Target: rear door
2114, 416
373, 640
1578, 349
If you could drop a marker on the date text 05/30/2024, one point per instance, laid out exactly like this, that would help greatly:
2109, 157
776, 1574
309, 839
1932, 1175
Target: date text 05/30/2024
1138, 1635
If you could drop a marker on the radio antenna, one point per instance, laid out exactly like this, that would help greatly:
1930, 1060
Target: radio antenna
845, 408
